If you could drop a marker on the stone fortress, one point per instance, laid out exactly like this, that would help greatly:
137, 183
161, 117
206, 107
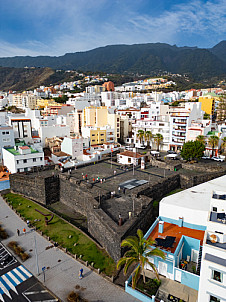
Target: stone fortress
93, 190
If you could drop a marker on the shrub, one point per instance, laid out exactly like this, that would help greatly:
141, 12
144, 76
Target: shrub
11, 244
24, 256
18, 250
3, 234
75, 297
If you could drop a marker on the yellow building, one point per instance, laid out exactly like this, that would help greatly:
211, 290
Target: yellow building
95, 116
42, 103
97, 136
208, 104
100, 125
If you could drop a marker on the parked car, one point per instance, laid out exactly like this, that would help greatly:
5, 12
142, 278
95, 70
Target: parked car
217, 158
206, 157
171, 152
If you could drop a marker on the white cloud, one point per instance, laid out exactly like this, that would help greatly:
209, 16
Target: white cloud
194, 17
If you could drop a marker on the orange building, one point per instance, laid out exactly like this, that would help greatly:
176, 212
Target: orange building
109, 86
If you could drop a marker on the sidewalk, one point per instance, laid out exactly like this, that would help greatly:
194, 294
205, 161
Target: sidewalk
62, 274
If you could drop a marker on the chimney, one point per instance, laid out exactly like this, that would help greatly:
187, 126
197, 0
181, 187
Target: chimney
161, 227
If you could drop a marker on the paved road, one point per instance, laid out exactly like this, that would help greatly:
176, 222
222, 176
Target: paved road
17, 283
62, 271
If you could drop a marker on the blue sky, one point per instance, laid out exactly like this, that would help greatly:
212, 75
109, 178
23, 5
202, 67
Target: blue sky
56, 27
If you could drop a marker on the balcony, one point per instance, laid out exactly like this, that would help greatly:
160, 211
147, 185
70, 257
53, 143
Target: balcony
181, 121
180, 129
179, 135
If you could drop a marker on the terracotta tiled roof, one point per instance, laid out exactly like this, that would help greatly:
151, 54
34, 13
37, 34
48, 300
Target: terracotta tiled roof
24, 147
131, 154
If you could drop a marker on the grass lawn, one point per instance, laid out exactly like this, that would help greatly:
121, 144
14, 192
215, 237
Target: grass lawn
59, 231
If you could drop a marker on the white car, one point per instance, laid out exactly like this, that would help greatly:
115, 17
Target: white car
217, 158
205, 157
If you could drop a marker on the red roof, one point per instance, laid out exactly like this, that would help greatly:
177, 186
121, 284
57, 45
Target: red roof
131, 154
24, 147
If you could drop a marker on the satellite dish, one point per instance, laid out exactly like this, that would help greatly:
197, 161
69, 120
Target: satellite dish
213, 238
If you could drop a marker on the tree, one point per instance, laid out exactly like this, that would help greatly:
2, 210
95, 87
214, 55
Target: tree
201, 138
223, 144
206, 116
192, 150
140, 135
148, 137
213, 142
140, 250
158, 138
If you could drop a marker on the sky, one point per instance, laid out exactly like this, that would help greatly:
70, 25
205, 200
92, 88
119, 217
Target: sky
56, 27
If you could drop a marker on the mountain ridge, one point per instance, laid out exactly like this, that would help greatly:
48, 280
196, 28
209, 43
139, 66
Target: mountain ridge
146, 58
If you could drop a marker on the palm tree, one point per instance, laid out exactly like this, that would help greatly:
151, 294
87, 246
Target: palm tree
140, 135
223, 144
213, 142
201, 139
148, 137
140, 250
158, 138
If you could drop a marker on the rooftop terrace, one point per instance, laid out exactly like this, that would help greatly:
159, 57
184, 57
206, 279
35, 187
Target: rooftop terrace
16, 152
176, 231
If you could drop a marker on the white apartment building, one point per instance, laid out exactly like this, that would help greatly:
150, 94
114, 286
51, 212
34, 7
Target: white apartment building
22, 158
73, 146
6, 137
21, 127
198, 128
180, 120
212, 287
153, 118
51, 131
3, 101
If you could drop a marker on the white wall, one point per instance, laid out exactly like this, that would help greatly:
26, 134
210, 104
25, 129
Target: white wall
51, 131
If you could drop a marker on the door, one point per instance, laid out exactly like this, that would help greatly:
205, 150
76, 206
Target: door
162, 268
178, 276
194, 256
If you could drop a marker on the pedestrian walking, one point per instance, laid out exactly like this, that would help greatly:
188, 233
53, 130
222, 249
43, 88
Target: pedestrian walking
81, 273
18, 232
86, 176
119, 189
28, 223
24, 230
93, 179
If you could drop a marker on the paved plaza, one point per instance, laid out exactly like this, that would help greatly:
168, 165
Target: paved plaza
62, 271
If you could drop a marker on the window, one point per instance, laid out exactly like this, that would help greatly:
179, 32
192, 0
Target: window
34, 159
214, 299
17, 161
41, 158
3, 132
217, 276
25, 161
7, 132
214, 209
93, 134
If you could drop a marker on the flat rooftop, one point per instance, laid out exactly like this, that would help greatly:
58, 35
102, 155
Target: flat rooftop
15, 152
176, 231
115, 176
197, 197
